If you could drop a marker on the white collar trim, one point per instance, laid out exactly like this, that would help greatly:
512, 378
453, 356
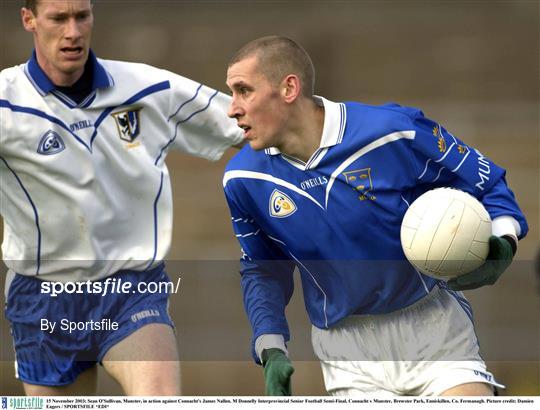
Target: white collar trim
335, 118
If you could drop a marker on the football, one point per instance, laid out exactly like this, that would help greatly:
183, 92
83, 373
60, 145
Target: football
445, 233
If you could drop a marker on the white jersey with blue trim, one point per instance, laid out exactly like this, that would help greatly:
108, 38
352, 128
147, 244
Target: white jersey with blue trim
337, 217
85, 190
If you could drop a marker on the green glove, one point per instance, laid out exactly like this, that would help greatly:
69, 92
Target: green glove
499, 258
277, 372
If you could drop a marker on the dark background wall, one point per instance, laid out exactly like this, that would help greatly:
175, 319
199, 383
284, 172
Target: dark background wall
472, 65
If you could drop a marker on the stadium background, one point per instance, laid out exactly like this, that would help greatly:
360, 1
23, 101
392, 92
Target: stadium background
472, 65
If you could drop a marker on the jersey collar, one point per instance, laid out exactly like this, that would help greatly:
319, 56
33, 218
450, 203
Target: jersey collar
43, 85
334, 124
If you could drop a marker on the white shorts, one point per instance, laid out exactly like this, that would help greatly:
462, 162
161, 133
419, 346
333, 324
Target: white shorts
423, 349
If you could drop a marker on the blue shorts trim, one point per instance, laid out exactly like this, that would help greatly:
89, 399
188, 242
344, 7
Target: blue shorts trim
57, 356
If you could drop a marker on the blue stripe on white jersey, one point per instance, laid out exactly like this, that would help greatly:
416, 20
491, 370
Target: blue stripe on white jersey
154, 88
39, 113
115, 197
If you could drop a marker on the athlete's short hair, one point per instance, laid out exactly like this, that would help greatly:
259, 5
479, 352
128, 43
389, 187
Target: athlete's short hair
277, 57
32, 5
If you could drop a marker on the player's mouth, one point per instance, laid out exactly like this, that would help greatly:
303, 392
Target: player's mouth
72, 52
246, 129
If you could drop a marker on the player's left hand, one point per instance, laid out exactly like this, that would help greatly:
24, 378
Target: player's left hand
277, 372
499, 258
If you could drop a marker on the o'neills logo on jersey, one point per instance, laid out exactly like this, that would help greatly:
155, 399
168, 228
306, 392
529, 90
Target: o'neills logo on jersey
360, 180
128, 123
144, 314
280, 205
50, 143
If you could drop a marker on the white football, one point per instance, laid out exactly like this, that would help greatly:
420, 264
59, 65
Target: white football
445, 233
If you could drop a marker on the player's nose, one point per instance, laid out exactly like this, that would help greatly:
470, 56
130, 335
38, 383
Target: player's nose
73, 30
235, 110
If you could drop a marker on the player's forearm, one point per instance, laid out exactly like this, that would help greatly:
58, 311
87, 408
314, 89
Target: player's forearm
507, 218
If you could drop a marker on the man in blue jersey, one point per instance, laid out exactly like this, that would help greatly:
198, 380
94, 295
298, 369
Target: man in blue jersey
323, 187
87, 205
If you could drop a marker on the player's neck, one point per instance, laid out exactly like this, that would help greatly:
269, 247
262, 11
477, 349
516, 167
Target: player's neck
58, 77
304, 137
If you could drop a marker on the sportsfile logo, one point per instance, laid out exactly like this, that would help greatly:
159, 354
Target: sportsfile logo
22, 403
109, 286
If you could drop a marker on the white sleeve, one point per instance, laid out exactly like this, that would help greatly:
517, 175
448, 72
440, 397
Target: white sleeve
505, 225
198, 119
269, 341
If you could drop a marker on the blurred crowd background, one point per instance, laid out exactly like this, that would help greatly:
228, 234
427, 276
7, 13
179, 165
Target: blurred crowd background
471, 65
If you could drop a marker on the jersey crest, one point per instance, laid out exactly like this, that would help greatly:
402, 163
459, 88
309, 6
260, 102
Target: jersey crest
128, 123
360, 180
51, 143
280, 205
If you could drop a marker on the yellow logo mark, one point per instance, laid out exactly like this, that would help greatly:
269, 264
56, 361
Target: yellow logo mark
360, 180
461, 149
441, 143
132, 145
280, 205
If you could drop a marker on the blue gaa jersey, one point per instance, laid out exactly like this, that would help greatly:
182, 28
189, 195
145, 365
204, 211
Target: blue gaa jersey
337, 218
84, 186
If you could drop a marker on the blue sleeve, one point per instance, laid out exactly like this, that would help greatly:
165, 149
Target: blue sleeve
266, 276
441, 159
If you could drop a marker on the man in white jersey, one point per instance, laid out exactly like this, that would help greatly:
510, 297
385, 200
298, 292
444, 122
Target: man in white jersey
323, 187
86, 198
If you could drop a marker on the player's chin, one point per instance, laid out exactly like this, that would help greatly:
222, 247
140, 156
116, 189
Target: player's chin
70, 67
256, 145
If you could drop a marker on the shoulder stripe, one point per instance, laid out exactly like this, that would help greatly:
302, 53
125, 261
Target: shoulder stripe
38, 113
186, 102
266, 177
164, 85
446, 153
182, 121
395, 136
462, 161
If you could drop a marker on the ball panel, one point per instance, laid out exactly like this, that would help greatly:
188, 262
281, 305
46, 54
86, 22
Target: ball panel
471, 263
444, 237
479, 249
407, 236
445, 233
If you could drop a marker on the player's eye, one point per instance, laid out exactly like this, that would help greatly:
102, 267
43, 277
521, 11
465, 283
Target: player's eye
83, 16
58, 19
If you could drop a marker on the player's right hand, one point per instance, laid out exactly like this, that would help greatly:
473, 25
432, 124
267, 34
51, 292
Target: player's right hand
499, 258
278, 370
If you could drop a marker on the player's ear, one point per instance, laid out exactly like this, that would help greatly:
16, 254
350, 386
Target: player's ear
290, 88
28, 19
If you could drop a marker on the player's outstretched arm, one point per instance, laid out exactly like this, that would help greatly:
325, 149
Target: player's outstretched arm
499, 258
278, 370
